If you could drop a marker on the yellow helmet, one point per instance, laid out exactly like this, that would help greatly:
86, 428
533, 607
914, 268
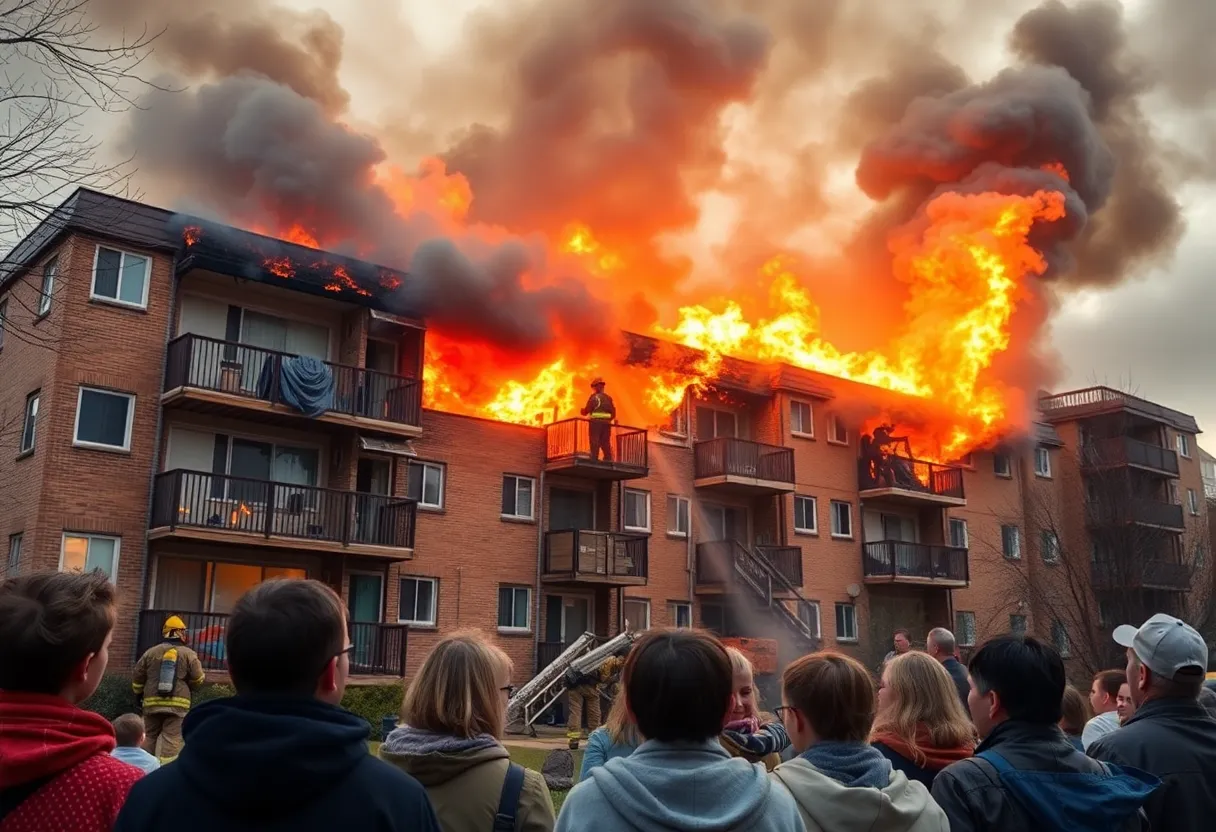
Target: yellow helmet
172, 624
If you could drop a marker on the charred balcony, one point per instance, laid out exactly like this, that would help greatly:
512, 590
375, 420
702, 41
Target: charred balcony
585, 448
210, 374
1168, 576
906, 480
584, 556
1120, 451
743, 466
900, 562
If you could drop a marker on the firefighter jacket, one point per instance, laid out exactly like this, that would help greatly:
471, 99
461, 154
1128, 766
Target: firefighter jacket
600, 406
188, 676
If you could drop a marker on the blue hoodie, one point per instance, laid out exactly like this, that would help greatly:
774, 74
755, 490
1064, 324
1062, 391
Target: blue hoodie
679, 786
601, 749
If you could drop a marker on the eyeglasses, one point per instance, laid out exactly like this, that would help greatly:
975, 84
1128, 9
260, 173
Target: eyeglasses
781, 710
509, 690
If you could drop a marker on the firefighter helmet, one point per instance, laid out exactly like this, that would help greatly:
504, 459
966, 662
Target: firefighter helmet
172, 624
596, 382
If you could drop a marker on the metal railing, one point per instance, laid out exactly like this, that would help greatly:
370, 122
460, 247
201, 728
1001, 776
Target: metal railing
911, 475
923, 561
582, 552
547, 653
194, 499
571, 439
721, 561
256, 373
1144, 574
1123, 450
1104, 397
787, 560
730, 457
379, 649
1119, 509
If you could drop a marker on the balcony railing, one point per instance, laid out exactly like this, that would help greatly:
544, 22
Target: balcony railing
379, 649
547, 653
582, 554
897, 559
730, 457
786, 560
1123, 450
911, 475
1104, 399
193, 499
573, 443
1145, 574
1120, 510
728, 563
255, 373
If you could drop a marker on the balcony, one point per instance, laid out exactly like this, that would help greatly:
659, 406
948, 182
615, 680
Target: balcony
208, 374
1146, 574
743, 466
786, 560
223, 509
568, 450
583, 556
379, 649
1138, 511
904, 480
1119, 451
717, 561
1097, 401
900, 562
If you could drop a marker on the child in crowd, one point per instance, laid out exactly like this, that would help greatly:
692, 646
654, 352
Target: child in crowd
129, 732
756, 737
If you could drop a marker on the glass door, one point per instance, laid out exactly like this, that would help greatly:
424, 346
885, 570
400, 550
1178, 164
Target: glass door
366, 593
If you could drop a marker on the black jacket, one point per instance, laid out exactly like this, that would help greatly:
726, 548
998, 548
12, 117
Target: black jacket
959, 674
275, 765
911, 770
1176, 741
970, 791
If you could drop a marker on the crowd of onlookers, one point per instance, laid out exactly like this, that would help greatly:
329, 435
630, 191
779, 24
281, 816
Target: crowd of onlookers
1003, 744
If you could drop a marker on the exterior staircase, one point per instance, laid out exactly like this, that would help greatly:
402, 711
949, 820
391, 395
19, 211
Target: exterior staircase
771, 590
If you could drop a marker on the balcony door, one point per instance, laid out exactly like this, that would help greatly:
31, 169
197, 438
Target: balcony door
373, 479
271, 332
576, 618
724, 523
570, 508
366, 602
382, 358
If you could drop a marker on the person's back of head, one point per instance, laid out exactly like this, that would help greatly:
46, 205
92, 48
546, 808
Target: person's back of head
832, 695
1074, 711
1016, 678
678, 685
461, 688
129, 730
919, 693
54, 633
288, 637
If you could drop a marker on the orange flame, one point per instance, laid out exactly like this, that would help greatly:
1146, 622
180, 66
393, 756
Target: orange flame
343, 280
280, 266
191, 234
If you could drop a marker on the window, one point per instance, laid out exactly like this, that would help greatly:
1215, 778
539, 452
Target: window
1011, 542
1172, 489
517, 497
964, 628
637, 614
679, 614
1017, 625
121, 277
426, 484
677, 425
1049, 546
637, 510
3, 318
14, 552
802, 419
417, 602
842, 519
84, 553
1000, 465
837, 432
808, 614
677, 516
958, 533
103, 419
48, 287
846, 622
250, 463
1192, 500
1059, 638
806, 515
1184, 445
967, 460
514, 608
29, 428
712, 423
1042, 462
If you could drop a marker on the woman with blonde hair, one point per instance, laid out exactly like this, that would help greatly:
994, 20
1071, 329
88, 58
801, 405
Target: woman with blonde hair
921, 726
449, 740
618, 737
748, 733
1075, 712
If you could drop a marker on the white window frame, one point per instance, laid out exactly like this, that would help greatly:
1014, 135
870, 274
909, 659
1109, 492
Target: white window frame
832, 509
531, 515
443, 475
1183, 442
419, 622
683, 510
1042, 453
1060, 639
1007, 473
625, 511
818, 617
98, 446
802, 430
673, 613
850, 606
46, 289
1050, 550
645, 602
835, 429
516, 589
1017, 542
29, 424
966, 531
1192, 500
143, 302
63, 544
14, 551
814, 527
966, 634
1174, 494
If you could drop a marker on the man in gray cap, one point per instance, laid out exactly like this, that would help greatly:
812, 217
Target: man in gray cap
1170, 735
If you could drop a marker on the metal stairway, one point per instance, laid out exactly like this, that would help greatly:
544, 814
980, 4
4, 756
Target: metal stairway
761, 577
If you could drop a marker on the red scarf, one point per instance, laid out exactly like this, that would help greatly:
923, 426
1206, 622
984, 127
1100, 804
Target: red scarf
42, 735
925, 754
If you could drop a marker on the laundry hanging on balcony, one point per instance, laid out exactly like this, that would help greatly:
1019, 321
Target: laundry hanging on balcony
307, 384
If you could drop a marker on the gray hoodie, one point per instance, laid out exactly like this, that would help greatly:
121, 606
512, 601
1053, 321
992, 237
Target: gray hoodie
827, 805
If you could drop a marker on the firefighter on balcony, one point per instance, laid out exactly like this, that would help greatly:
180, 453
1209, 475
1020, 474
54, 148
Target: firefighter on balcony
586, 688
602, 413
164, 677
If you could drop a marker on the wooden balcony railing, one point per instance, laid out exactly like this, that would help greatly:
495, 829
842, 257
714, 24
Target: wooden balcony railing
1144, 574
896, 559
582, 553
571, 440
1123, 450
786, 560
379, 649
915, 475
729, 457
194, 499
255, 373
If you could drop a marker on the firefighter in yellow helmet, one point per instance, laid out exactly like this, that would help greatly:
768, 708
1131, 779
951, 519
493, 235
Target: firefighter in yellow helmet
601, 413
164, 677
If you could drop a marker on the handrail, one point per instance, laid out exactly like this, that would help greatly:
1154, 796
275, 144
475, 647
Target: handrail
1099, 394
787, 560
590, 552
1124, 450
572, 439
906, 559
910, 474
759, 576
730, 456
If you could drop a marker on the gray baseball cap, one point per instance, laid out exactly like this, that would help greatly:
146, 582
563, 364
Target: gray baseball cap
1165, 645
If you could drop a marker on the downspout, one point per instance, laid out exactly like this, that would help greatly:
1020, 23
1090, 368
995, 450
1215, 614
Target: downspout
782, 536
540, 554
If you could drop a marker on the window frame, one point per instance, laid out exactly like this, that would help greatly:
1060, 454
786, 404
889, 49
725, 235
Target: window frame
1182, 442
46, 288
840, 607
682, 503
677, 424
810, 412
1192, 501
834, 431
965, 639
1049, 551
625, 511
515, 590
645, 602
734, 414
434, 582
673, 614
15, 541
531, 515
818, 616
29, 423
1059, 633
90, 537
98, 446
966, 531
832, 509
1017, 540
117, 301
443, 477
1008, 472
813, 529
1045, 471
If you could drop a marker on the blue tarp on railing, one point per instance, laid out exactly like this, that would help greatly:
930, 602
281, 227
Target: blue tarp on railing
307, 384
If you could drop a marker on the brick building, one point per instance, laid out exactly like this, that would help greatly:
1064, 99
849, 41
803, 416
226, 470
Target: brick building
145, 430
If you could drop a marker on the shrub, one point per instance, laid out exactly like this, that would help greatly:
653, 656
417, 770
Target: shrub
113, 698
374, 703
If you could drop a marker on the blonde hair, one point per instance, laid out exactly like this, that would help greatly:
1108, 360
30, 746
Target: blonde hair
456, 691
620, 726
741, 665
923, 695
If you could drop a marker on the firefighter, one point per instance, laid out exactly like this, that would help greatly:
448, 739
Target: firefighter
602, 413
164, 677
587, 688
